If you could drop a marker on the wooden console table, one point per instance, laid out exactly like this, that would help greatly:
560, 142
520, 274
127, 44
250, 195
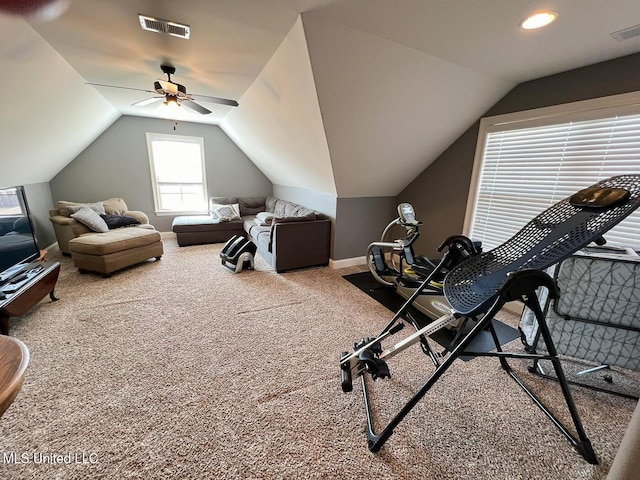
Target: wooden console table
30, 292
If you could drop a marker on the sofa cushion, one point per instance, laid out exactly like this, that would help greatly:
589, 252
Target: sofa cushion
114, 241
118, 221
285, 209
262, 238
253, 229
91, 219
67, 208
115, 206
251, 205
202, 223
223, 200
305, 218
112, 206
270, 204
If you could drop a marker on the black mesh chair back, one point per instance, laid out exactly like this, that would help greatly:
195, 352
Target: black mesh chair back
555, 234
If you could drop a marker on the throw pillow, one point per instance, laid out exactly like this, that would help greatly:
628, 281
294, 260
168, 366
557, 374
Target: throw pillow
91, 219
214, 206
117, 221
97, 207
226, 213
264, 218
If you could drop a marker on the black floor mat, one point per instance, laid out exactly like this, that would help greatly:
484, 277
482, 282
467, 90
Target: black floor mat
393, 301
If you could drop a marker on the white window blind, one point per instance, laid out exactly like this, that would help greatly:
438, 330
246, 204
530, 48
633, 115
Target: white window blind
526, 170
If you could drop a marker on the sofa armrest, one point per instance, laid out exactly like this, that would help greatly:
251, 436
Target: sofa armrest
140, 216
300, 244
66, 228
62, 220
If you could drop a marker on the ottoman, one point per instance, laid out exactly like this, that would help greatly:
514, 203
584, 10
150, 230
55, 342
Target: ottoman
202, 229
116, 249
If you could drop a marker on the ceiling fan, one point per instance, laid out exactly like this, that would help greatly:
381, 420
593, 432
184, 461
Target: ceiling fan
170, 92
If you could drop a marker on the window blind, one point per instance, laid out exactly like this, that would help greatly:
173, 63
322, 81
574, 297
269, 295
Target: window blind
526, 170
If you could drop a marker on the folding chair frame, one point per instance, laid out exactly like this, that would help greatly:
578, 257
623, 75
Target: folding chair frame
580, 441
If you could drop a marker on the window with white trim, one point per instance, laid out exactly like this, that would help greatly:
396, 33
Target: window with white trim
178, 173
524, 165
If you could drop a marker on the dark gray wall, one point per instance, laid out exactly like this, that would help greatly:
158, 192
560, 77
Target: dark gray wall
360, 221
439, 193
116, 164
40, 202
355, 222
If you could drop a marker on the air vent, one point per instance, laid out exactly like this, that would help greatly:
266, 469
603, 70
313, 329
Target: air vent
164, 26
626, 34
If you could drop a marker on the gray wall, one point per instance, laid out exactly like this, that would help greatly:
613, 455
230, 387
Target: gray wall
116, 164
356, 222
360, 221
439, 193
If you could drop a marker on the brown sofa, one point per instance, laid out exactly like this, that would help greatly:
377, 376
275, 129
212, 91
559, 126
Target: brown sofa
105, 251
288, 235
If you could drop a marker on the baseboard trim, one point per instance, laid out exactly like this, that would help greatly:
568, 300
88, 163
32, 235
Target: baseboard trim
347, 262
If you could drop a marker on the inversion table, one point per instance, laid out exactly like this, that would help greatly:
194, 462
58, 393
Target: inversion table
480, 286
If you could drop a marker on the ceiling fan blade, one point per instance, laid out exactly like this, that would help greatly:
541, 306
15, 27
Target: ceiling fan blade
147, 101
123, 88
221, 101
194, 106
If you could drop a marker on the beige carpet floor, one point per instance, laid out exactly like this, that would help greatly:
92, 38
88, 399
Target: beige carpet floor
181, 369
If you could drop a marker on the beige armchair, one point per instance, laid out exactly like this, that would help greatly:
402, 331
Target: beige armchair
67, 228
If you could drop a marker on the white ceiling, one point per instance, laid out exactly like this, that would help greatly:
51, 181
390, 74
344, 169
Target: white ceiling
396, 81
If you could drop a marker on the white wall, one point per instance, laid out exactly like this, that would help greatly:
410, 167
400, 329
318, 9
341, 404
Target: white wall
279, 124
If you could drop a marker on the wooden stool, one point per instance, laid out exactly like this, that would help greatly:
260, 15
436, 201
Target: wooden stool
14, 358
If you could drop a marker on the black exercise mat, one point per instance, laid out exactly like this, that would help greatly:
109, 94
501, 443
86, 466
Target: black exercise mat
393, 301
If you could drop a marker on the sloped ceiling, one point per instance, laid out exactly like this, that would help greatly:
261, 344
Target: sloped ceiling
394, 82
388, 109
279, 125
45, 121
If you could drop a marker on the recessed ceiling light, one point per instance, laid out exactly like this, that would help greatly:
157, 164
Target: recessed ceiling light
538, 20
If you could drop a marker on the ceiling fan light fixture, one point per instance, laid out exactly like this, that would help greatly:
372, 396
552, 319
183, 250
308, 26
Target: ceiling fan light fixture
538, 20
171, 100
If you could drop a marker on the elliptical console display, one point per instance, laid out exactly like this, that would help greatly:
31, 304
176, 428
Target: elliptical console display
407, 272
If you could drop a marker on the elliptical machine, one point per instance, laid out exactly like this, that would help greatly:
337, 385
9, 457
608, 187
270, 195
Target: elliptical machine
407, 272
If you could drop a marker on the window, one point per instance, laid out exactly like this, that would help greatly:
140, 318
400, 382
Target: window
177, 173
524, 165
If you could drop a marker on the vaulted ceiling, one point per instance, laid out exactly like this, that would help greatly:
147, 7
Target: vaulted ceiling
351, 98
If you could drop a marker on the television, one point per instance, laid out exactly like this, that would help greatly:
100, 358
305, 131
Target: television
18, 245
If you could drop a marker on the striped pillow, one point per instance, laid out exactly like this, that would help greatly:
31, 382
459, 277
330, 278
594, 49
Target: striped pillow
91, 219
